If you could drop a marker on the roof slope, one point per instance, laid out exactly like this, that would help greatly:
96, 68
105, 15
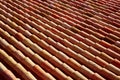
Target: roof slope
59, 39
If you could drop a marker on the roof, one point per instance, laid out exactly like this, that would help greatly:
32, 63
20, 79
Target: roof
59, 40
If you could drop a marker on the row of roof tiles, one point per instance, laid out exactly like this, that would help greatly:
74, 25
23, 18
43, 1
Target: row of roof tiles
69, 40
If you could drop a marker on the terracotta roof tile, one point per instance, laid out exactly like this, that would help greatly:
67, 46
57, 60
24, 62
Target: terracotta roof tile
60, 39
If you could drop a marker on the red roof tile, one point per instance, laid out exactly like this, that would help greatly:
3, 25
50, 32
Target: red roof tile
60, 39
